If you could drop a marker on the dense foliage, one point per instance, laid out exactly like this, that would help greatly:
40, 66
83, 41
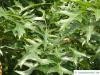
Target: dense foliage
49, 37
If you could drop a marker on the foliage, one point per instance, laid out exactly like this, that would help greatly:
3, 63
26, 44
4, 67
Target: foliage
50, 37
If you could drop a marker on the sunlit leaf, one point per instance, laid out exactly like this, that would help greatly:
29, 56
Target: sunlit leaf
97, 14
19, 30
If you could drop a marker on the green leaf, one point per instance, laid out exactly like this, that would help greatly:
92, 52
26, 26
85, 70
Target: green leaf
29, 71
77, 55
1, 53
97, 14
29, 25
18, 4
3, 13
32, 54
65, 22
19, 30
59, 69
90, 31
